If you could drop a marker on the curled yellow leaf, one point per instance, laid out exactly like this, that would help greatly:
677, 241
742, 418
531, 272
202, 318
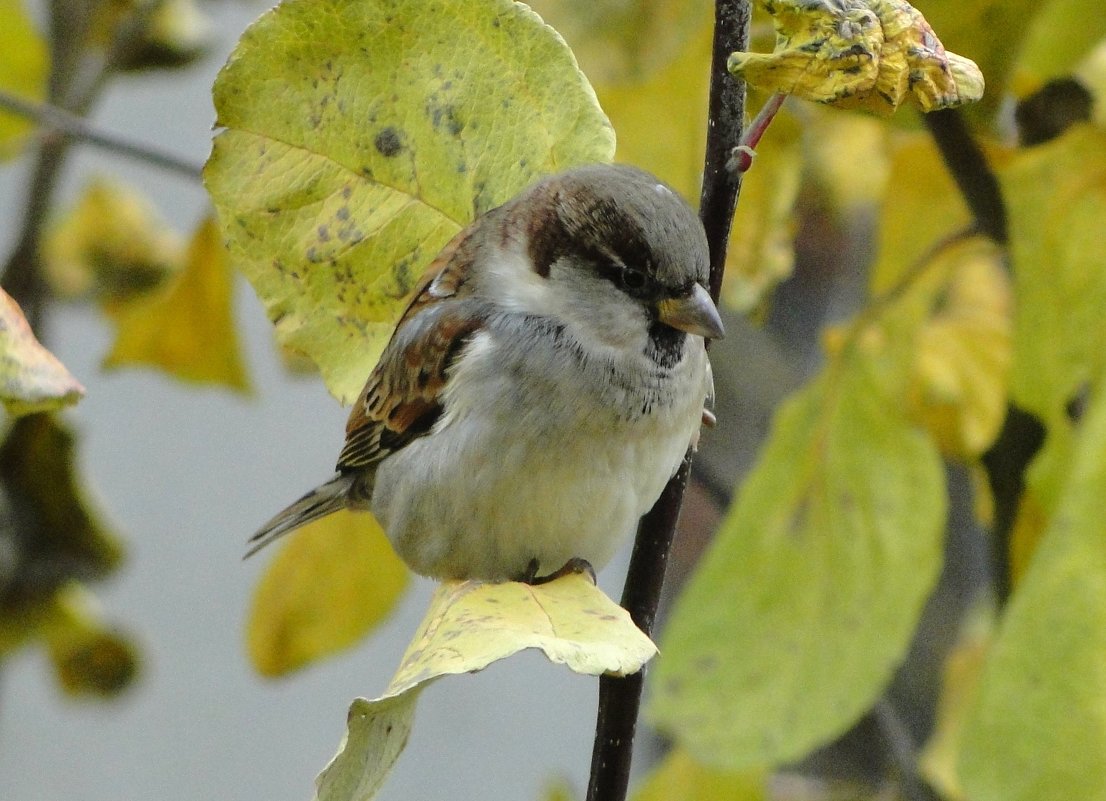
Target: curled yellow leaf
469, 625
868, 54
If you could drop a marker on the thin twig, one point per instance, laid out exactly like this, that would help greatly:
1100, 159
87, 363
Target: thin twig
620, 698
61, 121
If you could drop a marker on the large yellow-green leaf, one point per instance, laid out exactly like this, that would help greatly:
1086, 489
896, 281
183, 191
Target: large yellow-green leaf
332, 582
469, 625
1056, 194
362, 134
806, 601
1038, 730
187, 329
24, 63
31, 377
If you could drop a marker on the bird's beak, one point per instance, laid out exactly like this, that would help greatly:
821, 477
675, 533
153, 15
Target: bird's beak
694, 313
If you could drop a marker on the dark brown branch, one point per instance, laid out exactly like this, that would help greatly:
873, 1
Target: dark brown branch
1022, 434
969, 168
620, 698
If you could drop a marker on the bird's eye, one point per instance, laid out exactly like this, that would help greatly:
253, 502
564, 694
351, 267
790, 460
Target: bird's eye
633, 279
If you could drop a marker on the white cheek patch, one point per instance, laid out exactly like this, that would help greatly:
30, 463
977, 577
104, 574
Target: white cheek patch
515, 285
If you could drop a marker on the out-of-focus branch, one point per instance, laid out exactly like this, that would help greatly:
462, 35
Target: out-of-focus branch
61, 121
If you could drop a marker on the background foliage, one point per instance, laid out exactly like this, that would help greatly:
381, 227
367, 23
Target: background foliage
816, 622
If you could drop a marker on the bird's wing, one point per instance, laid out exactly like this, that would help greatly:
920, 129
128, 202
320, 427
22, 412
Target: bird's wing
403, 396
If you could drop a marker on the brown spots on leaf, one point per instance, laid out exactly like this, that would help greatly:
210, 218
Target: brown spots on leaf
388, 142
324, 233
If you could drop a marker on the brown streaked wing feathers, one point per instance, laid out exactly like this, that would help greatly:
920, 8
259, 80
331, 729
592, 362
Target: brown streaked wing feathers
402, 398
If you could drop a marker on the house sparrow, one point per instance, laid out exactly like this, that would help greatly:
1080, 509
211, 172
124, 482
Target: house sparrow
541, 388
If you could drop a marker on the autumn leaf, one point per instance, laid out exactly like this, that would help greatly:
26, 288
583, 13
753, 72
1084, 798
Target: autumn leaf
361, 135
869, 54
959, 390
470, 625
31, 377
111, 245
331, 582
187, 328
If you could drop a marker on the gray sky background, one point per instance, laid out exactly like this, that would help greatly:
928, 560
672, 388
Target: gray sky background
187, 474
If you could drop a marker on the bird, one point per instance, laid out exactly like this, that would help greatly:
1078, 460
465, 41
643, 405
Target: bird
540, 389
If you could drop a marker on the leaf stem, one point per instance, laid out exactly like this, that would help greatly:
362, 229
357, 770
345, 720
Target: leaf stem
620, 698
58, 120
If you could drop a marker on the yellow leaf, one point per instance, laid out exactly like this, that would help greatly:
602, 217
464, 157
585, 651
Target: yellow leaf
680, 778
330, 584
361, 135
24, 63
176, 34
31, 377
113, 245
470, 625
187, 329
870, 54
959, 688
912, 224
964, 352
90, 659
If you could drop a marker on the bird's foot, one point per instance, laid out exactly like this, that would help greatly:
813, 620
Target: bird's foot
572, 567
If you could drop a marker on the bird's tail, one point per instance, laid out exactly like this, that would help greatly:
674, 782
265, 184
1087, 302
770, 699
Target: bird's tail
319, 502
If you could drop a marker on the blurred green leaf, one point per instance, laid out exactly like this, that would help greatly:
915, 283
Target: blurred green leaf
1056, 195
361, 135
1038, 730
1060, 36
807, 599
